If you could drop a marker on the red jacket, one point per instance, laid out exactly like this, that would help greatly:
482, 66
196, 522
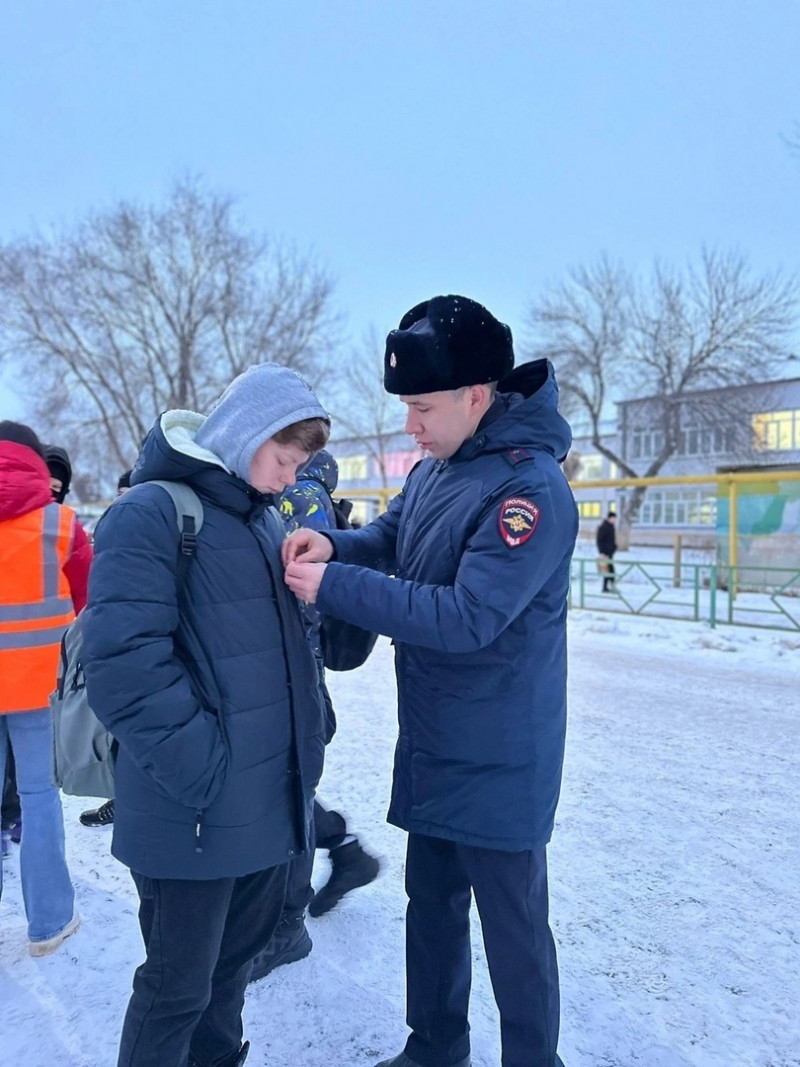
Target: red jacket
44, 570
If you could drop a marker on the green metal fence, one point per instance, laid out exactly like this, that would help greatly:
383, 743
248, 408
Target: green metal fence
738, 596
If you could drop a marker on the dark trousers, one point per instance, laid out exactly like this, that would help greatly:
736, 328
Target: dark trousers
330, 830
11, 811
200, 939
510, 890
609, 575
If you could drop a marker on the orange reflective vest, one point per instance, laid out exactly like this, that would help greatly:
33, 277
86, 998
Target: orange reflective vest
35, 604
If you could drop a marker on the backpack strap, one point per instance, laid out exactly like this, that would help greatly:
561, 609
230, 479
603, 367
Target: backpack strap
189, 515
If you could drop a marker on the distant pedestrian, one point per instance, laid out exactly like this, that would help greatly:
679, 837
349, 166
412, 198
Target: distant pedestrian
606, 547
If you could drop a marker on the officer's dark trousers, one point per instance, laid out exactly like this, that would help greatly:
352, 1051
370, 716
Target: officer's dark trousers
510, 891
200, 939
330, 830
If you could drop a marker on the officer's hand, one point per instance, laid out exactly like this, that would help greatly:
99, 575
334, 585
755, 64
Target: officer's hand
308, 544
304, 579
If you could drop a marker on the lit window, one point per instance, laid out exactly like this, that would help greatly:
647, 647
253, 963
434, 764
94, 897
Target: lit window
777, 431
590, 509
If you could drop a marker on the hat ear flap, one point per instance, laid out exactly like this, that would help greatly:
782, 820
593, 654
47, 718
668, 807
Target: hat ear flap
414, 315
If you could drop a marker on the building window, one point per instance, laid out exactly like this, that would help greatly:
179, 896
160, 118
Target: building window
678, 507
591, 467
705, 440
352, 468
590, 509
777, 431
398, 464
645, 444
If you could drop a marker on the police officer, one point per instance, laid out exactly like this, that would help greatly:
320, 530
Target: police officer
468, 572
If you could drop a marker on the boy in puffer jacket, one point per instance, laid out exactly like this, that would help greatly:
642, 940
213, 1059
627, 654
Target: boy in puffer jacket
210, 687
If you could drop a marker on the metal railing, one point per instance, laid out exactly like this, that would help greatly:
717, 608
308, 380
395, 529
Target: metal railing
738, 596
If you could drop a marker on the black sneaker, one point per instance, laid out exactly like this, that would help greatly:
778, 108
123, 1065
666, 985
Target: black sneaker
102, 816
289, 943
352, 867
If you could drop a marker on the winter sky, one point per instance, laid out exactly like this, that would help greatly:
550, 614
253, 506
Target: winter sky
417, 146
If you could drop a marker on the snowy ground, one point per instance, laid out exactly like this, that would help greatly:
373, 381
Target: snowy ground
675, 879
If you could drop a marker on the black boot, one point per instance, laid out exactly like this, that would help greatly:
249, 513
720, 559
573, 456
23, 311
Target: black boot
289, 943
237, 1061
352, 867
102, 816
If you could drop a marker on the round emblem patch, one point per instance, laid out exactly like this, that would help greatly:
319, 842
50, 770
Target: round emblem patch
518, 519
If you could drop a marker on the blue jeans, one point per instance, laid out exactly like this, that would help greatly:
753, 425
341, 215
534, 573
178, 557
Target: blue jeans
46, 888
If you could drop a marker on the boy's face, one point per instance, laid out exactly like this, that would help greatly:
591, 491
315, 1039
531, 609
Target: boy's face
274, 466
56, 485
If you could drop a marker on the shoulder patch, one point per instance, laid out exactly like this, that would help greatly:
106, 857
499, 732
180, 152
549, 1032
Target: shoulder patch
518, 519
518, 455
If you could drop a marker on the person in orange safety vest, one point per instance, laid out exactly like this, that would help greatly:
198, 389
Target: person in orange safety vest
44, 568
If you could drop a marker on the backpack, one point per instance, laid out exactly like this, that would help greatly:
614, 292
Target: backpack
341, 512
83, 750
345, 646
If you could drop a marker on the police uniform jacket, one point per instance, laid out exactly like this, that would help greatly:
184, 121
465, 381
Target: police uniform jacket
476, 554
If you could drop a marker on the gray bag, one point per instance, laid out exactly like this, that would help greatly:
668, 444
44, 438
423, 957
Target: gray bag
83, 750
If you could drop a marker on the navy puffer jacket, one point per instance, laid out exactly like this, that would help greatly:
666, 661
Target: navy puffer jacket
209, 685
480, 547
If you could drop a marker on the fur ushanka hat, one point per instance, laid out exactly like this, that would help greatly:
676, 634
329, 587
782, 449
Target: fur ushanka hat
445, 343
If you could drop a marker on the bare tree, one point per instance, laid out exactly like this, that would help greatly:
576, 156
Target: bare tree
583, 325
572, 464
672, 341
364, 410
142, 309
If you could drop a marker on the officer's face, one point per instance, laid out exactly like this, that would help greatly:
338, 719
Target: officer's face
441, 422
274, 466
